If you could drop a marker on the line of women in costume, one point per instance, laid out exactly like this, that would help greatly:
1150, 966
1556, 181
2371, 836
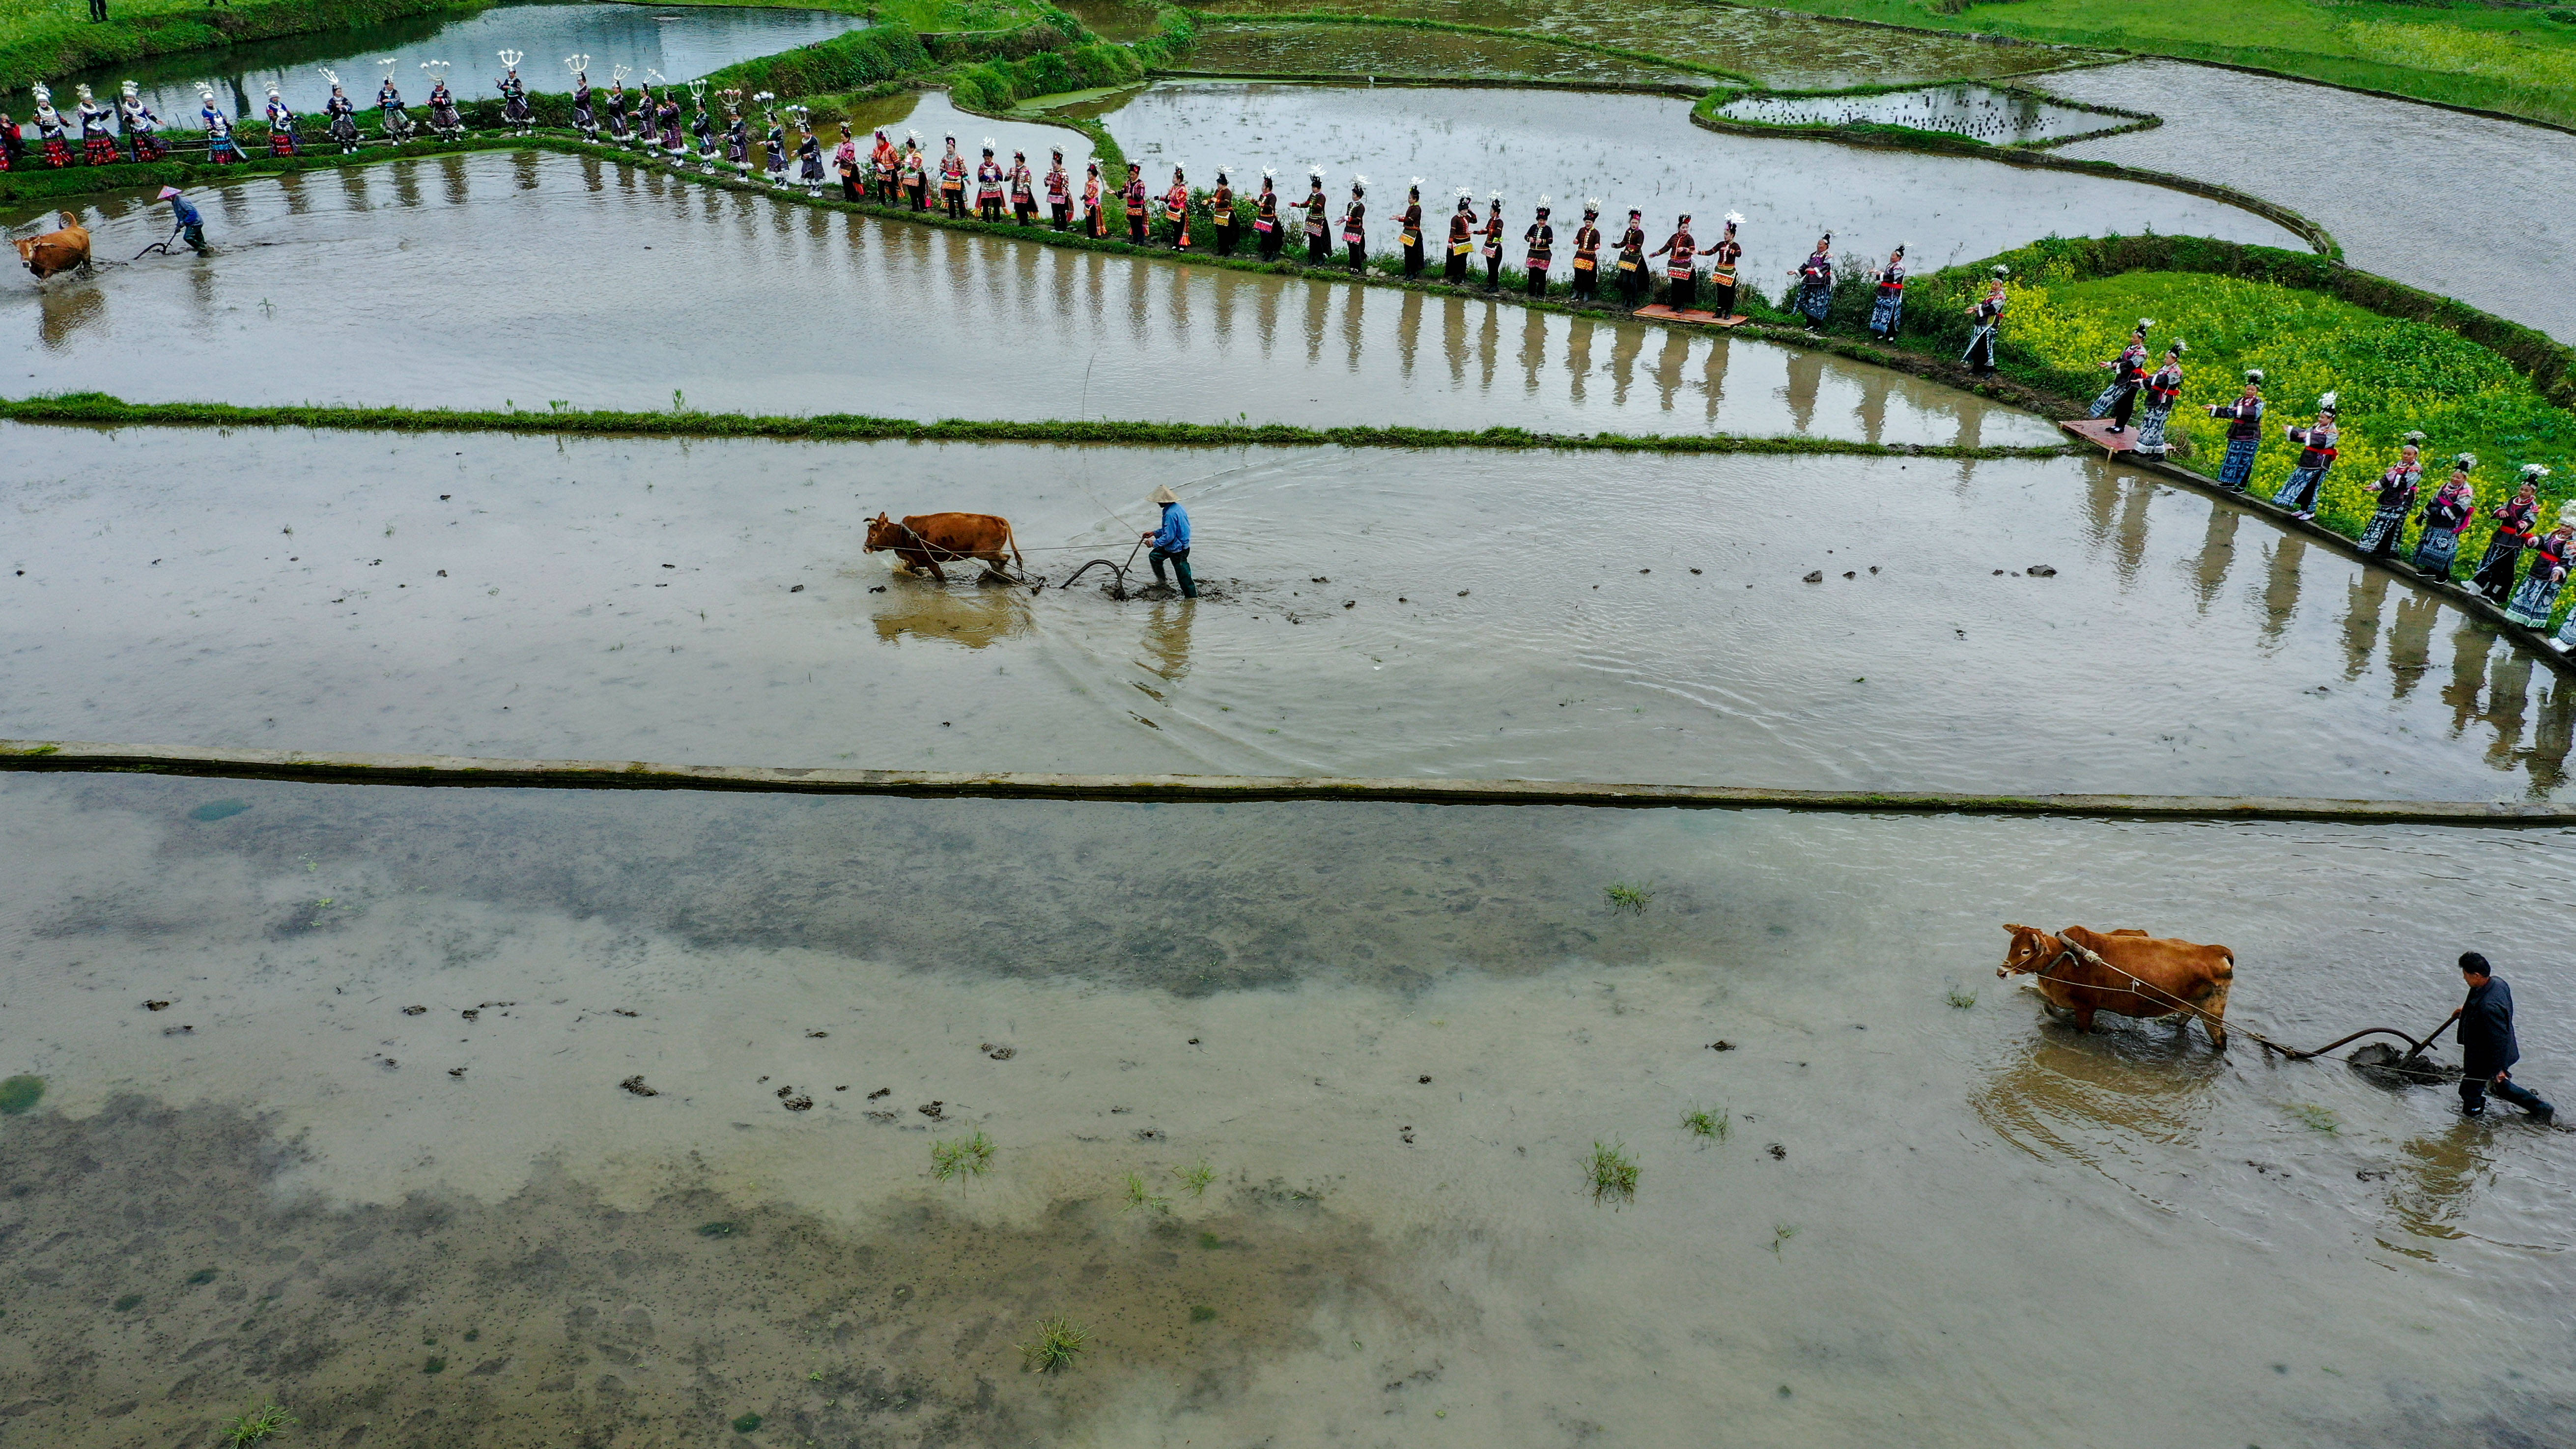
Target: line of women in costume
93, 124
2444, 515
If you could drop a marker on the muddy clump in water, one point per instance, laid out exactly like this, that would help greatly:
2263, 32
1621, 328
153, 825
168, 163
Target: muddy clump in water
163, 1287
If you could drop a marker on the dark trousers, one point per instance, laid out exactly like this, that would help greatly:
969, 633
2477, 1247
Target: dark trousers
1270, 244
1493, 273
1583, 279
2120, 410
1685, 292
1538, 279
2473, 1095
1225, 234
954, 201
1632, 285
920, 196
1024, 212
1721, 295
1359, 255
1412, 259
1180, 565
1457, 269
989, 208
1063, 214
850, 188
1319, 250
1136, 229
194, 233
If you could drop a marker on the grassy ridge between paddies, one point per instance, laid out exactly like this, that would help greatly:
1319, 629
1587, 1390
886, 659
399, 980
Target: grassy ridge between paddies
40, 39
2519, 61
98, 409
2406, 361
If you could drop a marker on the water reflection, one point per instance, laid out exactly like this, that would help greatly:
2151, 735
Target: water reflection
2095, 1099
977, 616
2440, 1174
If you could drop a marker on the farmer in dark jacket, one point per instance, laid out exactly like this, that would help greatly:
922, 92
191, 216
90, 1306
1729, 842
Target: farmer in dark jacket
2487, 1047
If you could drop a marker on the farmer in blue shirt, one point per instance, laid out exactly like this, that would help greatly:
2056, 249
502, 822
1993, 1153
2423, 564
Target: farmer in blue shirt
2487, 1047
191, 227
1172, 541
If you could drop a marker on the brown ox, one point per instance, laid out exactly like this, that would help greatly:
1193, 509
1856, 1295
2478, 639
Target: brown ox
924, 539
56, 251
2126, 973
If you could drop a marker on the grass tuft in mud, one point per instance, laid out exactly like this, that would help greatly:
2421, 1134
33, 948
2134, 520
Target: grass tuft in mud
1626, 897
960, 1158
1058, 1343
1701, 1122
257, 1425
1140, 1195
1962, 998
19, 1094
2314, 1117
1195, 1178
1613, 1173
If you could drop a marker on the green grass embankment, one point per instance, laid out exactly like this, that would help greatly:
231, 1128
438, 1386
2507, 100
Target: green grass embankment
40, 39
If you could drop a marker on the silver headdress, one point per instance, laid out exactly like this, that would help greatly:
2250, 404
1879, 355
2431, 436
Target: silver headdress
2416, 438
437, 71
511, 58
2254, 374
2002, 271
579, 65
132, 92
698, 92
2465, 461
2326, 404
654, 77
1736, 218
390, 63
45, 97
330, 75
2534, 472
81, 94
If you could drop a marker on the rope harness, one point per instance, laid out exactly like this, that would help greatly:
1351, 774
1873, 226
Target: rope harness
2148, 991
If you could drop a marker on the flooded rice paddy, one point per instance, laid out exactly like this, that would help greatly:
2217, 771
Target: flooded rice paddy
1986, 113
620, 285
371, 1155
1375, 612
2223, 126
1643, 152
681, 42
1370, 50
1791, 52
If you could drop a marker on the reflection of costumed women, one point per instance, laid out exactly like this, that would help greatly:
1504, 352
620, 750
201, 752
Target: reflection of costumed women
282, 140
988, 185
49, 127
1539, 243
585, 112
1632, 259
1221, 212
1092, 223
342, 114
98, 129
1355, 224
1319, 241
1059, 192
2514, 520
2316, 457
1266, 226
221, 148
2128, 373
2449, 507
2551, 554
1586, 273
142, 128
1888, 306
2163, 388
1408, 231
1816, 282
1683, 269
1462, 238
1024, 190
1986, 324
2244, 431
2385, 534
1721, 267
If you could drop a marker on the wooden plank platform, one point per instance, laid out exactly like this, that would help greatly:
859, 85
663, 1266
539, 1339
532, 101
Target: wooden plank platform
1662, 313
2097, 431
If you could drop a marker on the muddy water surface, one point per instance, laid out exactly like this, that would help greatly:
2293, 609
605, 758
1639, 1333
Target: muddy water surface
454, 1227
630, 287
1473, 614
1996, 116
1643, 152
1368, 50
681, 42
